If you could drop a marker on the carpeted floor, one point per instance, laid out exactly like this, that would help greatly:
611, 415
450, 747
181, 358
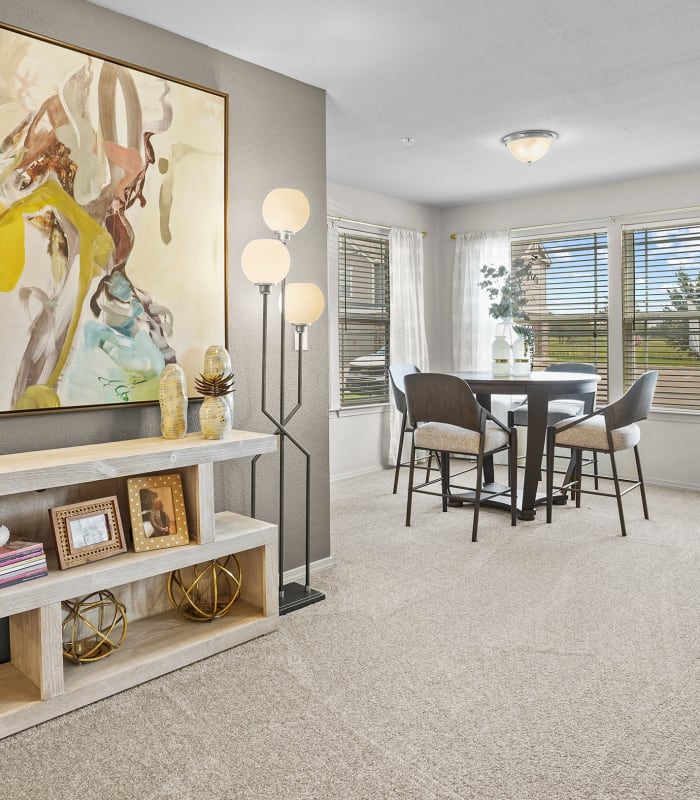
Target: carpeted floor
545, 662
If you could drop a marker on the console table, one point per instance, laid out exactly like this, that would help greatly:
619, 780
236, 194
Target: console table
38, 684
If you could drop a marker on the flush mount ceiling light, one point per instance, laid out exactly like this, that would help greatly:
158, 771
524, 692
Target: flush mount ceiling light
529, 146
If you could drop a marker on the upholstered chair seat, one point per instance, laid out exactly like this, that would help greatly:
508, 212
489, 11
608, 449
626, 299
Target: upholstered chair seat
591, 434
557, 410
442, 436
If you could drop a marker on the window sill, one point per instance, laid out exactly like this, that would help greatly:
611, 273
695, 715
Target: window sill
674, 415
354, 411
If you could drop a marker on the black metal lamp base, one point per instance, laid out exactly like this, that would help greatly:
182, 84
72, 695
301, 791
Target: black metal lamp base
294, 596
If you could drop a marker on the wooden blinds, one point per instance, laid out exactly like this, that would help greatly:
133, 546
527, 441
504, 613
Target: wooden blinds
561, 292
661, 321
363, 312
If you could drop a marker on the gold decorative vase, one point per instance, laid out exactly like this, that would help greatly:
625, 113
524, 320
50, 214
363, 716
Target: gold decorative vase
215, 412
214, 417
217, 361
173, 402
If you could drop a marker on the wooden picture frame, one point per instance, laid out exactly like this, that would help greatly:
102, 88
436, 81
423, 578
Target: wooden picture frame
112, 226
157, 510
88, 531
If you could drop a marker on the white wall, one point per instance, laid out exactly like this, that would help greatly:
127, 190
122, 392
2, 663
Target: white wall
670, 442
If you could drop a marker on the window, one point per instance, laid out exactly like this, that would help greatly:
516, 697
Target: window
363, 317
661, 319
560, 292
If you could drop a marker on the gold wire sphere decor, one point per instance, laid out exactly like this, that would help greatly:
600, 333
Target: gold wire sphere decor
93, 627
204, 592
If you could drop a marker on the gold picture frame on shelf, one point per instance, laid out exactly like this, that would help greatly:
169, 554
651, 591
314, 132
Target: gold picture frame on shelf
88, 531
157, 510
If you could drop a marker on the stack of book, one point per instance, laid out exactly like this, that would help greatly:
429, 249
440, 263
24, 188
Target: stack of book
21, 560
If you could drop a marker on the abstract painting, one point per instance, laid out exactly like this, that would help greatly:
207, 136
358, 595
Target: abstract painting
112, 226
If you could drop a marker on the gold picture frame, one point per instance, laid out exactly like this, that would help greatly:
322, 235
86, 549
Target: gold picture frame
157, 510
112, 226
88, 531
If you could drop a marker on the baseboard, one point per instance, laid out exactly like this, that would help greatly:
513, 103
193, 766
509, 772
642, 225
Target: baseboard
356, 473
299, 573
672, 485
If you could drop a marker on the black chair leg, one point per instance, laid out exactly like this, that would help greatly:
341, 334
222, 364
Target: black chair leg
550, 471
439, 462
445, 474
477, 493
570, 472
641, 483
618, 494
595, 470
400, 453
430, 464
513, 468
409, 496
579, 477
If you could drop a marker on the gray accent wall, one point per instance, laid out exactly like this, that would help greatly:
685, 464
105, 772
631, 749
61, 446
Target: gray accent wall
276, 138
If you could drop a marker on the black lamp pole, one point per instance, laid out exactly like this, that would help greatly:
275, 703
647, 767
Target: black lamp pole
291, 595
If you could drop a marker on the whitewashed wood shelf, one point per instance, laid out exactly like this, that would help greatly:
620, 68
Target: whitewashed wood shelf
38, 683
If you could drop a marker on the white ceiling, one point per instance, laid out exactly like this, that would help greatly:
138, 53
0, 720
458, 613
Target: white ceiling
619, 80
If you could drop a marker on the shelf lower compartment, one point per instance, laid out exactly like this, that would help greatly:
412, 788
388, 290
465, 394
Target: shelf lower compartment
153, 646
16, 691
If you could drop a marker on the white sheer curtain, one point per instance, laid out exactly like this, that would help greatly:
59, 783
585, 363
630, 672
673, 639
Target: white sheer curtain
407, 340
472, 327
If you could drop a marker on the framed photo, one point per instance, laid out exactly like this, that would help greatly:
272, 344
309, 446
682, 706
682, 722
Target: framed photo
157, 509
87, 532
112, 226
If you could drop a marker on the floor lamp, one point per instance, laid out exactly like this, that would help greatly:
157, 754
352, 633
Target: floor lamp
266, 263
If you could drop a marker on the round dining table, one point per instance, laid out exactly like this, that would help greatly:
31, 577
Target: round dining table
539, 387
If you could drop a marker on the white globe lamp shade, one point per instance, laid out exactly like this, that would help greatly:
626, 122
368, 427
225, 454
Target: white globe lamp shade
303, 303
265, 261
286, 210
529, 146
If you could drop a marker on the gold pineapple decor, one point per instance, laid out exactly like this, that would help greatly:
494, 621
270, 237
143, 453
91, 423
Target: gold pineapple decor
214, 413
214, 385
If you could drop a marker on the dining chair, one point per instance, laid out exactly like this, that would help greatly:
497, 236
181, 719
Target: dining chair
609, 430
397, 373
560, 409
447, 418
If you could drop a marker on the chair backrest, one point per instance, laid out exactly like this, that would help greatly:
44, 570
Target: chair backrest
572, 366
434, 397
397, 373
588, 398
634, 404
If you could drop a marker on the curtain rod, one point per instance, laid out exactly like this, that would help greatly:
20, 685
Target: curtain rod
611, 218
368, 224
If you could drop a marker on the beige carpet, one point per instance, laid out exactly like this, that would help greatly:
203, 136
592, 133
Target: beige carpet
549, 662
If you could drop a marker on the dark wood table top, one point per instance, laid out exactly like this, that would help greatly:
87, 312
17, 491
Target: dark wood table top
553, 382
